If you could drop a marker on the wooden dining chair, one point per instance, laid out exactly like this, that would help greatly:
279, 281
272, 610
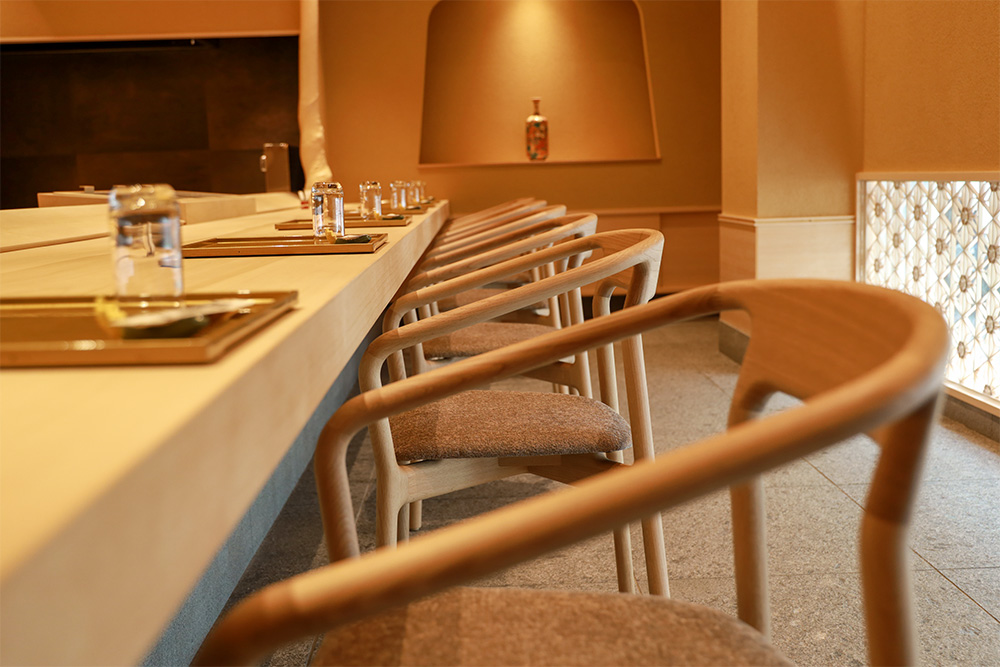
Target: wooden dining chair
444, 252
467, 218
519, 325
477, 338
457, 231
863, 360
486, 435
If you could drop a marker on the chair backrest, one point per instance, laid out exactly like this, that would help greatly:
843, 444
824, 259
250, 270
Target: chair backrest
453, 233
632, 252
864, 359
494, 237
487, 212
518, 241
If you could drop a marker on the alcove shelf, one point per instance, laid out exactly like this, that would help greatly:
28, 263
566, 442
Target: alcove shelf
587, 61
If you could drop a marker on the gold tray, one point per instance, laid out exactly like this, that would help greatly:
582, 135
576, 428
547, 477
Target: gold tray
65, 332
349, 222
248, 246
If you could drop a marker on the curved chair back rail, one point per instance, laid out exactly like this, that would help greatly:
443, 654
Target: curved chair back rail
467, 218
862, 358
490, 239
636, 250
444, 251
449, 235
509, 245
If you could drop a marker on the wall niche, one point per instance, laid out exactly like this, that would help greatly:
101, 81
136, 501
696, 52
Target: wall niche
586, 60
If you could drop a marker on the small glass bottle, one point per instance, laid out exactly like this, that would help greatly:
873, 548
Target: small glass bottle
146, 231
536, 129
371, 200
327, 210
397, 196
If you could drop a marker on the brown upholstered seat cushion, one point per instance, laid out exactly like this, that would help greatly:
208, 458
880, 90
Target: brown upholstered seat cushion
509, 626
473, 295
482, 337
507, 423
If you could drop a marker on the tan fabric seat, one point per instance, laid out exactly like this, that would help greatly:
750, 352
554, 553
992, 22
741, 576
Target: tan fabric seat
482, 337
477, 424
477, 626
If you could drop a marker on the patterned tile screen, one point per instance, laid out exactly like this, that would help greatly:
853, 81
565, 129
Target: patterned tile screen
939, 241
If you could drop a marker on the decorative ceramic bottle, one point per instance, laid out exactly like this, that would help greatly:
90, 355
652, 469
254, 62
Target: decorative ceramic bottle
536, 129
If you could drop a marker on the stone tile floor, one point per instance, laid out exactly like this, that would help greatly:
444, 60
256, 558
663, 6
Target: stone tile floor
813, 507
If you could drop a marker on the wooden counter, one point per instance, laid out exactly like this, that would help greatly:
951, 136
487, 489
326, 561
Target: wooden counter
118, 485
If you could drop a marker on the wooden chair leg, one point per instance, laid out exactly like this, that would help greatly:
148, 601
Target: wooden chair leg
656, 556
750, 554
387, 510
885, 576
403, 524
416, 514
642, 440
623, 547
623, 560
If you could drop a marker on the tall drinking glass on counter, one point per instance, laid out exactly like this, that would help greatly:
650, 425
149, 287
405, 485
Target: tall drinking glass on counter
371, 200
397, 196
327, 210
146, 231
413, 193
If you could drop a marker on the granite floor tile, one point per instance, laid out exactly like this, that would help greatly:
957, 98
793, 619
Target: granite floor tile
957, 453
954, 453
955, 525
952, 629
715, 592
588, 566
698, 538
850, 462
818, 619
796, 473
980, 584
811, 530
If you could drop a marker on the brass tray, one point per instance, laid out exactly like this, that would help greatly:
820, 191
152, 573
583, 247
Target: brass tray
349, 222
248, 246
65, 332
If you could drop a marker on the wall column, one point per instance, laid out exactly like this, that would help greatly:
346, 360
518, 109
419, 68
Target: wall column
792, 91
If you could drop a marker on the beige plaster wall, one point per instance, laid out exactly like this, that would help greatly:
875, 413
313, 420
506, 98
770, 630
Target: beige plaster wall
374, 103
792, 95
739, 107
809, 146
95, 20
932, 85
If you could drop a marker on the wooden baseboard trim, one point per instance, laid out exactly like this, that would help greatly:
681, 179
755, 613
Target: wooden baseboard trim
928, 176
741, 221
651, 210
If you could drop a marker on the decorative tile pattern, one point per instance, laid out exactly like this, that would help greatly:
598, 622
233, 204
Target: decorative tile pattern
940, 241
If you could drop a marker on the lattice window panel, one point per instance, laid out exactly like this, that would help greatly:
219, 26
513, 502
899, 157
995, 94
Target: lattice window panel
940, 241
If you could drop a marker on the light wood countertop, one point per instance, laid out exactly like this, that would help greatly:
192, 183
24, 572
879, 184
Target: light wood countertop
119, 484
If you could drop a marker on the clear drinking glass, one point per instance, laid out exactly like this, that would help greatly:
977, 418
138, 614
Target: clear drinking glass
413, 193
397, 196
327, 210
371, 200
146, 231
421, 192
